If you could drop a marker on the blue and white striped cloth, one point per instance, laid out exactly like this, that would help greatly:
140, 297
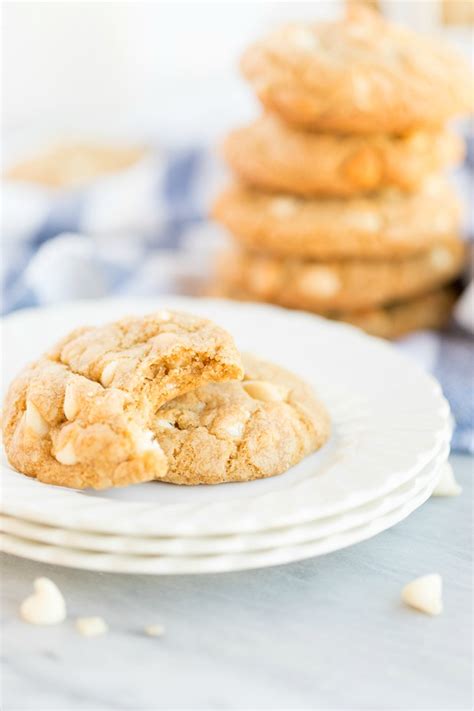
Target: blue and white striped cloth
145, 232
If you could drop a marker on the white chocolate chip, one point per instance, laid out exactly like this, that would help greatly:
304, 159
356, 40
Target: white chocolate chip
320, 281
441, 258
264, 277
447, 484
67, 455
433, 186
71, 406
362, 92
91, 626
425, 594
164, 424
164, 315
108, 373
165, 339
283, 206
419, 141
145, 441
303, 38
35, 420
236, 429
443, 224
155, 630
366, 220
261, 390
46, 606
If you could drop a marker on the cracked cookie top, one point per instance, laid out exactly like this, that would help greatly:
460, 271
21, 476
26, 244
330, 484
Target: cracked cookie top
80, 415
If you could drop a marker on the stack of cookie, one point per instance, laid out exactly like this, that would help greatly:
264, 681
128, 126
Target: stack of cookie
339, 207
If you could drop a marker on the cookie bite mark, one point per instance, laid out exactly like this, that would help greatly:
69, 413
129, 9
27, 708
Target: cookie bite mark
154, 358
80, 416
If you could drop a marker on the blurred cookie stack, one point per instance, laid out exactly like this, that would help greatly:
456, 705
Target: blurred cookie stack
339, 207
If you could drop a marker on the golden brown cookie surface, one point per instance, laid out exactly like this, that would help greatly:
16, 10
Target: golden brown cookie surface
360, 74
386, 224
80, 415
239, 431
339, 285
272, 156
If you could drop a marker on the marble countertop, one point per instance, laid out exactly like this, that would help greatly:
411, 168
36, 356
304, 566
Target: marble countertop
327, 633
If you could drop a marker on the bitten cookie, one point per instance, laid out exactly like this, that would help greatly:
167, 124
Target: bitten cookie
387, 224
80, 415
339, 285
239, 431
360, 74
272, 156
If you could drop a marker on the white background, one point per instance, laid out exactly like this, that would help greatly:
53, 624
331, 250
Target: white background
160, 70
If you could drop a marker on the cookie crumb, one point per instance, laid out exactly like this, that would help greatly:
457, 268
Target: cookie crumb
447, 484
155, 630
425, 594
91, 626
46, 606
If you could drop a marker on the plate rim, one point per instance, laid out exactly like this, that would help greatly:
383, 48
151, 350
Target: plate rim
237, 543
226, 562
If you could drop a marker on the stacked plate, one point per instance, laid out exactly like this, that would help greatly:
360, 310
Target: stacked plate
390, 441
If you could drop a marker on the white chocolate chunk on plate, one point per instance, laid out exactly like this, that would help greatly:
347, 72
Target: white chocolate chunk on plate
46, 606
425, 594
91, 626
447, 484
35, 420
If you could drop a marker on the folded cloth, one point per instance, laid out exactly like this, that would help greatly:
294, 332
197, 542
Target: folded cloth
144, 232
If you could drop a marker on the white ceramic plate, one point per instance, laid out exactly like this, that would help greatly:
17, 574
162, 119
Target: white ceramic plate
169, 565
389, 417
235, 543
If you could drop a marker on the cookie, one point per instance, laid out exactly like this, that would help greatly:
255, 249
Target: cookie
272, 156
384, 225
239, 431
360, 74
340, 285
430, 311
80, 415
73, 164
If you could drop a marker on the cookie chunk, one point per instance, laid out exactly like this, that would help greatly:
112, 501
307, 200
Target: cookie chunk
340, 285
387, 224
71, 164
80, 416
360, 74
272, 156
238, 431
